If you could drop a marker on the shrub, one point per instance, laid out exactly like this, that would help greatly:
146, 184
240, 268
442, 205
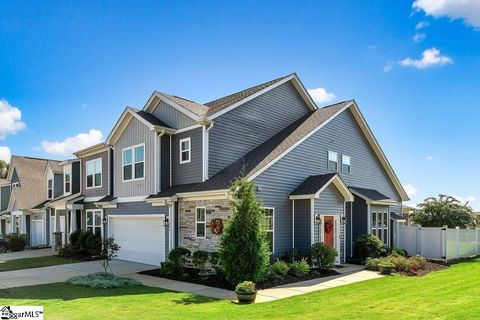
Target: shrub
16, 242
299, 268
167, 268
400, 263
68, 251
214, 260
199, 259
372, 263
244, 252
418, 261
280, 268
102, 280
368, 246
386, 267
397, 250
178, 257
75, 237
323, 256
93, 244
290, 255
246, 287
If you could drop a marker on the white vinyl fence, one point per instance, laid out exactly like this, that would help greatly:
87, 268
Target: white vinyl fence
439, 243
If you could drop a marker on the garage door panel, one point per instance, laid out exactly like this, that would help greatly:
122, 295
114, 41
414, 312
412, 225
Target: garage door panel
142, 239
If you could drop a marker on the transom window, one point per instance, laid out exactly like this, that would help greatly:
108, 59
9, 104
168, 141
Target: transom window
346, 166
50, 189
67, 179
380, 225
200, 222
134, 163
94, 222
268, 225
332, 161
185, 150
94, 173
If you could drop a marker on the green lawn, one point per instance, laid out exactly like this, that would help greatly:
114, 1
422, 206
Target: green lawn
447, 294
27, 263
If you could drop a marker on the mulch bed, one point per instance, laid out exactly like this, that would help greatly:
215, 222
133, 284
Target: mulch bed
430, 267
217, 282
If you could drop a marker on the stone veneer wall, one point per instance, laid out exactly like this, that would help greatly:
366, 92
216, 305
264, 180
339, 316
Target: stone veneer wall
186, 233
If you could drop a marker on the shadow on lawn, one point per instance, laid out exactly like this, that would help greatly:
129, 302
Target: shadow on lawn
464, 260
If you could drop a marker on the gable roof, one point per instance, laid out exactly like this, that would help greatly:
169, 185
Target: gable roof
372, 196
190, 108
54, 165
313, 186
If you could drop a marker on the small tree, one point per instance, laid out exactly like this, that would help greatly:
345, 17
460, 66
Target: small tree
3, 169
444, 211
109, 252
244, 253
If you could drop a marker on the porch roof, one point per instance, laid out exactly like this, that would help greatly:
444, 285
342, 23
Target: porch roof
313, 186
373, 196
397, 217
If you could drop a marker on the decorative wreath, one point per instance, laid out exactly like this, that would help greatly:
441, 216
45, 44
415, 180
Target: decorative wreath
216, 226
328, 227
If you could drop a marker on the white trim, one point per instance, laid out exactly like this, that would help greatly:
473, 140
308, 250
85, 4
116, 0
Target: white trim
90, 151
385, 202
134, 162
203, 153
204, 222
337, 182
176, 106
312, 223
189, 150
170, 167
153, 215
67, 169
351, 229
109, 173
195, 126
336, 235
349, 165
293, 223
131, 199
336, 161
155, 161
93, 177
296, 82
273, 223
93, 217
92, 199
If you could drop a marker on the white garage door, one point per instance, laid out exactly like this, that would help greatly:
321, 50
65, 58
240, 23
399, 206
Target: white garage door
141, 238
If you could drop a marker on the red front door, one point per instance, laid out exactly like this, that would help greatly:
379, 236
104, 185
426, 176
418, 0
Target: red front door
329, 231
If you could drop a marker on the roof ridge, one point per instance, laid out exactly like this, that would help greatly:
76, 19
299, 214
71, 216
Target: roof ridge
34, 158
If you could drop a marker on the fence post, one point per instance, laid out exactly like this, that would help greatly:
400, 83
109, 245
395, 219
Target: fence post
443, 241
419, 241
457, 240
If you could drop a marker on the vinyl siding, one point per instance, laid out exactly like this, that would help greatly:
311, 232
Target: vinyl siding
95, 192
57, 185
359, 220
172, 116
4, 197
135, 133
302, 226
187, 172
165, 162
240, 130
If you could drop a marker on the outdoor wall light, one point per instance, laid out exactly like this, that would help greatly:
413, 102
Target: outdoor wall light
166, 222
104, 220
343, 219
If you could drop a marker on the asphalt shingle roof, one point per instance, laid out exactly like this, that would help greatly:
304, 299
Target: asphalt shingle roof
312, 184
370, 194
192, 106
151, 118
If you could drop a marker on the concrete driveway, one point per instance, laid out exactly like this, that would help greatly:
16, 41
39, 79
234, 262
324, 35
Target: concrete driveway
28, 277
27, 254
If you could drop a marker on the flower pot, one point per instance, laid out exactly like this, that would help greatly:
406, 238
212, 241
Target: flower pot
243, 297
386, 270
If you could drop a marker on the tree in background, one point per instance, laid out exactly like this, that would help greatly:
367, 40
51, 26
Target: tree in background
444, 211
244, 249
3, 169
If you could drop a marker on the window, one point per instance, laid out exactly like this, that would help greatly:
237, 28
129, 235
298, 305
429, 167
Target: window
346, 167
200, 222
268, 225
380, 225
67, 179
94, 222
332, 161
50, 189
134, 163
94, 173
185, 153
15, 185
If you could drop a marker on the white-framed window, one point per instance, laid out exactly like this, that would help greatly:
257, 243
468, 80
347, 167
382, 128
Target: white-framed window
133, 160
185, 150
346, 165
94, 223
67, 179
15, 185
50, 188
268, 226
380, 225
332, 160
200, 222
94, 173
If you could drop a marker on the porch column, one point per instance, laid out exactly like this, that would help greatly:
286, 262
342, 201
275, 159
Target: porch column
73, 220
23, 224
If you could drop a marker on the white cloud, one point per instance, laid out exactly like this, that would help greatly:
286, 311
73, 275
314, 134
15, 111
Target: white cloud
72, 144
430, 58
5, 154
467, 10
468, 199
10, 119
410, 190
321, 95
388, 67
422, 24
419, 37
429, 158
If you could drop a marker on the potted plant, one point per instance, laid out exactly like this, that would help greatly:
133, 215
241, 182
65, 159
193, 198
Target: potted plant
246, 292
386, 267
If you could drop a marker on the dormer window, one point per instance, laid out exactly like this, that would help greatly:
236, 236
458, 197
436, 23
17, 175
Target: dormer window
50, 189
94, 173
185, 150
133, 160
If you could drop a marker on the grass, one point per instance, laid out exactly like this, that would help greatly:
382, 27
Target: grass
448, 294
28, 263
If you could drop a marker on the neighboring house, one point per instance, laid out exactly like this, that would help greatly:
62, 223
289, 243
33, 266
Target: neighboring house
408, 212
162, 177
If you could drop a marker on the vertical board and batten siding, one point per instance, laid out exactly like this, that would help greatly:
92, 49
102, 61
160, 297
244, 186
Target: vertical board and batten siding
100, 191
240, 130
190, 172
57, 185
165, 162
140, 208
135, 133
75, 177
172, 116
359, 221
4, 197
302, 226
342, 135
331, 202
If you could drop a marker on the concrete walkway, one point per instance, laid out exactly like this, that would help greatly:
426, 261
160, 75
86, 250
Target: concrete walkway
60, 273
27, 254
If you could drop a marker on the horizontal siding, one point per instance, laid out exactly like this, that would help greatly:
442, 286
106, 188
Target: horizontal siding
172, 116
95, 192
302, 226
135, 133
239, 131
188, 172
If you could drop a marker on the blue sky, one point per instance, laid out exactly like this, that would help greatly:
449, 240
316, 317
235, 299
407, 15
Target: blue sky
67, 70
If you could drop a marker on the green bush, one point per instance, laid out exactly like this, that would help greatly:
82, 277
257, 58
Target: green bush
167, 268
299, 268
372, 263
214, 260
93, 244
69, 251
400, 263
418, 261
280, 268
102, 280
246, 287
244, 252
368, 246
290, 255
199, 259
75, 237
323, 256
16, 242
396, 250
178, 257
